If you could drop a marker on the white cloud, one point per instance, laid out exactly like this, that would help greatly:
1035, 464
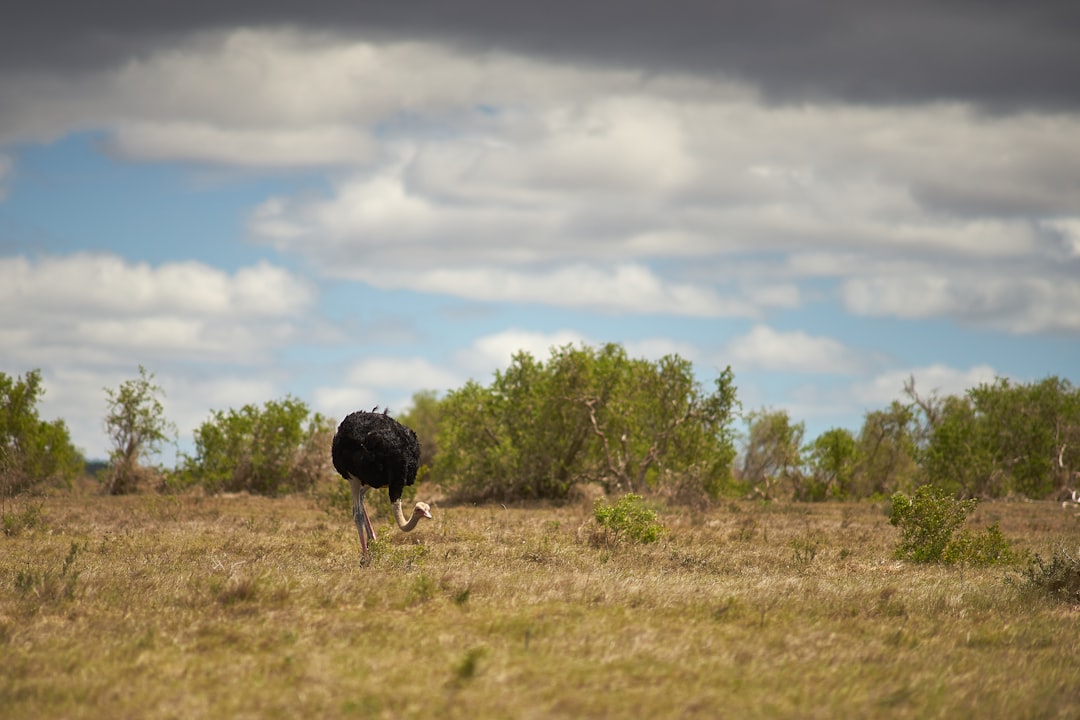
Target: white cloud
89, 320
494, 352
401, 373
764, 348
504, 179
325, 145
1019, 303
108, 309
939, 379
596, 188
389, 382
623, 288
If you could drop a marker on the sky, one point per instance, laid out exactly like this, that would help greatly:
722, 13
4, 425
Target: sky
351, 202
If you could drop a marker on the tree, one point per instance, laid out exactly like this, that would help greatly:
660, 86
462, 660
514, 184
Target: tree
832, 459
1033, 431
523, 437
1001, 438
136, 424
587, 414
886, 451
657, 427
772, 454
31, 450
958, 456
265, 451
424, 417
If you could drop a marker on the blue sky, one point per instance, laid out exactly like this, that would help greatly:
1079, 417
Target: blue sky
253, 209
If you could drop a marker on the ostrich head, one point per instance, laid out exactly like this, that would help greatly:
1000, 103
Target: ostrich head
422, 509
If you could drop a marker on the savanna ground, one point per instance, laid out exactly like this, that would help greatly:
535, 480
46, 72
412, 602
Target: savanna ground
154, 606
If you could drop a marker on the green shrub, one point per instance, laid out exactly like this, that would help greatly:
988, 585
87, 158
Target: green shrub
586, 415
628, 519
931, 530
988, 547
271, 450
32, 450
1058, 577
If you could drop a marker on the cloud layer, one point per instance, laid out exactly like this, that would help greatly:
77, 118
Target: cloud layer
999, 54
493, 162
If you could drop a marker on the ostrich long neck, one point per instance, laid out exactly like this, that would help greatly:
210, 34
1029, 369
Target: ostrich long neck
405, 525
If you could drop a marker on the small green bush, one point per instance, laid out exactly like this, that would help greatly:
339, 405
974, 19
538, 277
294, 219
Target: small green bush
988, 547
931, 530
628, 519
278, 448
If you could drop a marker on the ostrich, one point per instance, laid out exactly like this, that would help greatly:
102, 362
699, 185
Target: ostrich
372, 450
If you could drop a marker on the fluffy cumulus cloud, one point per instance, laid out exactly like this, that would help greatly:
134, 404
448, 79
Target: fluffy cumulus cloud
1037, 302
454, 176
764, 348
605, 183
496, 350
385, 381
106, 309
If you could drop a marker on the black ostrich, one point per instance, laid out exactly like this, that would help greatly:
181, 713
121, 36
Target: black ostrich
372, 450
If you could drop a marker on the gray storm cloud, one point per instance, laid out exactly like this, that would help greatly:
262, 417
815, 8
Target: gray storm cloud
999, 54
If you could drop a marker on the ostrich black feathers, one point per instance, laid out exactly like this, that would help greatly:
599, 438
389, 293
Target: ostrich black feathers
376, 450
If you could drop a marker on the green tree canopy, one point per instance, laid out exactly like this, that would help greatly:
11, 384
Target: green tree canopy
265, 451
772, 454
832, 459
1003, 438
587, 414
32, 450
886, 451
424, 417
136, 424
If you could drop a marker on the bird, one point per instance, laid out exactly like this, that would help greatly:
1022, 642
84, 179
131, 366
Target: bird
373, 450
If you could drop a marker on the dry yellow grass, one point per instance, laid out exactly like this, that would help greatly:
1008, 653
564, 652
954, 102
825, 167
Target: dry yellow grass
160, 607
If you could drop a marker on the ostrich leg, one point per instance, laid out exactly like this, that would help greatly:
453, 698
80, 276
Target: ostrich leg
360, 516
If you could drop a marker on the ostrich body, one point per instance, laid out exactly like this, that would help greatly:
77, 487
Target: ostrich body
372, 450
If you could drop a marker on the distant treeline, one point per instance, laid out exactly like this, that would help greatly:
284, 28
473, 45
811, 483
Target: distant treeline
586, 415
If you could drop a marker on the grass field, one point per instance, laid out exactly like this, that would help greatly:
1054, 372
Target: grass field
155, 606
